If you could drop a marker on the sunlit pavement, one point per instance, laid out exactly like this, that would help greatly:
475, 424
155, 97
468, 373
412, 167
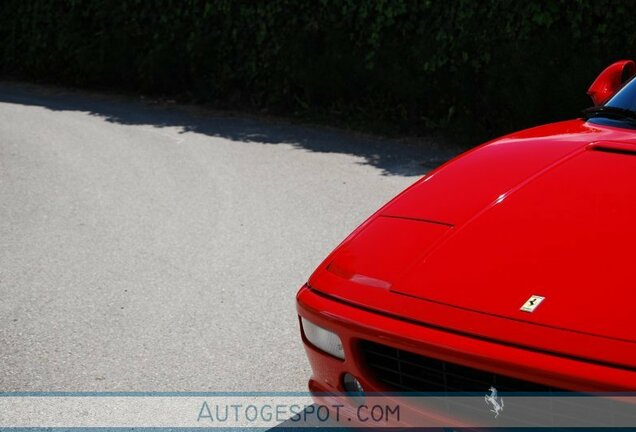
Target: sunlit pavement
152, 248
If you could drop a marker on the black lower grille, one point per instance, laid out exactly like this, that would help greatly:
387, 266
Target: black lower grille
409, 372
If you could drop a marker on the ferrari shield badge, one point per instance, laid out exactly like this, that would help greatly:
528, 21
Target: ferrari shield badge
532, 303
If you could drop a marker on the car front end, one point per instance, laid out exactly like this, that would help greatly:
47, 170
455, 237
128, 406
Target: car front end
506, 268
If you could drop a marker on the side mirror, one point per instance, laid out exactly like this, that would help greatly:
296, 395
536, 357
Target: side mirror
610, 81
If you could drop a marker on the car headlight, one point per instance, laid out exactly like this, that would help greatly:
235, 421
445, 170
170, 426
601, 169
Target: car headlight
323, 339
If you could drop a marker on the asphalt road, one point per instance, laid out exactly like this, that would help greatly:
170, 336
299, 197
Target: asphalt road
146, 247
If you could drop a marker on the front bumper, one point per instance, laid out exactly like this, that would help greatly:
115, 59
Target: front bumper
354, 324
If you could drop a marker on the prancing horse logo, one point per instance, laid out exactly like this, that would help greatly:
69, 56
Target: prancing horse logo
532, 303
497, 404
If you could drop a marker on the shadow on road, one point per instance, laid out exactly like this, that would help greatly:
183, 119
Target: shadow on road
390, 156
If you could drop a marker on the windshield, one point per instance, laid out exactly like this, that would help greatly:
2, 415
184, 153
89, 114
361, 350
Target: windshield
618, 111
625, 98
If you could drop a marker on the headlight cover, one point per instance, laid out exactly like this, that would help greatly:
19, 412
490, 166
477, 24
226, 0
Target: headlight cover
325, 340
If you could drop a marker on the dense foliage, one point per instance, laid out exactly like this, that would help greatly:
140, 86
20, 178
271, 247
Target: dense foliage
478, 66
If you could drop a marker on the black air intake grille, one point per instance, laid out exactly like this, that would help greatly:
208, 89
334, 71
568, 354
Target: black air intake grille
409, 372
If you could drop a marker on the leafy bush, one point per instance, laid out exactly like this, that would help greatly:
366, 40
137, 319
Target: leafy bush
482, 67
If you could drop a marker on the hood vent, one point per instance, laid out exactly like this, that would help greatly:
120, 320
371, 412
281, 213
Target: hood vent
614, 147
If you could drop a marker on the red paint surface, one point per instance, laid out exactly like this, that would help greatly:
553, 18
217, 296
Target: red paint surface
443, 269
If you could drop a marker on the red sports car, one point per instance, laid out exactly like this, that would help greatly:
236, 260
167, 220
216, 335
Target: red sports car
513, 266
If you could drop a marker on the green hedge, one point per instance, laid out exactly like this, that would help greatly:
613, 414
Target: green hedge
483, 67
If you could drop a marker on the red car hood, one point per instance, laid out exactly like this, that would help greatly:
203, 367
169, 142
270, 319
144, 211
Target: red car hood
536, 213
